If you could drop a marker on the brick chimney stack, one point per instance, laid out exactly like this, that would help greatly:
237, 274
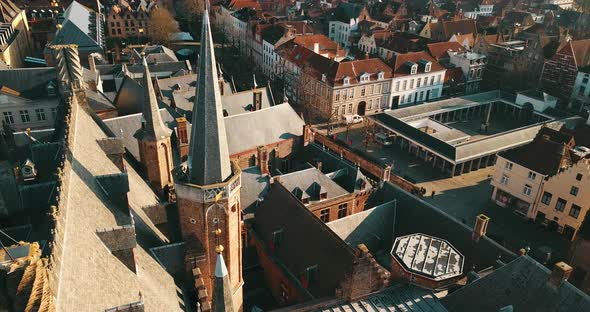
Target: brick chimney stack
263, 159
182, 134
561, 272
481, 227
256, 100
307, 135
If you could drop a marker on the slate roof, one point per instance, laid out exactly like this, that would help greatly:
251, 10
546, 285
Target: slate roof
80, 28
308, 183
91, 277
374, 227
244, 131
345, 11
521, 283
154, 128
541, 155
154, 54
402, 297
306, 241
263, 127
254, 186
29, 82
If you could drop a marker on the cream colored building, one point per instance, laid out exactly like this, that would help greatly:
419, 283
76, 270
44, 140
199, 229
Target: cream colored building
517, 186
547, 181
565, 199
15, 41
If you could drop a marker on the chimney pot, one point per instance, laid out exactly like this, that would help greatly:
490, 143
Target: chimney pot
561, 272
481, 227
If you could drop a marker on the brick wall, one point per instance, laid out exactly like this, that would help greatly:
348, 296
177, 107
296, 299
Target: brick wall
367, 276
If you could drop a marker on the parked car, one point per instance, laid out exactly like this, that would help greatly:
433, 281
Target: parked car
352, 119
384, 139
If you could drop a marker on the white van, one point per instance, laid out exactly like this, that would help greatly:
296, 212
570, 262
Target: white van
352, 119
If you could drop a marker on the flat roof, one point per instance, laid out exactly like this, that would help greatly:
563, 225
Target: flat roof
428, 256
460, 146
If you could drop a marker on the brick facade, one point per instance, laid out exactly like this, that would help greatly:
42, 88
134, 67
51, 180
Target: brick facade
559, 74
199, 218
156, 157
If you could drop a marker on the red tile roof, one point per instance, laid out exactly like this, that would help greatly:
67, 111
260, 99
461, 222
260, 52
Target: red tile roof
336, 71
439, 50
400, 70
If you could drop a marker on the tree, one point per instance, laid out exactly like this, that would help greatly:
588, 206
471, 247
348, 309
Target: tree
162, 25
191, 10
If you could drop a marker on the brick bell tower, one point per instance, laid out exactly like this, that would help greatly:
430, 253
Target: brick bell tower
155, 149
208, 187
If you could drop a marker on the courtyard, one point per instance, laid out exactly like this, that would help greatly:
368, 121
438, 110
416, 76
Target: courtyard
463, 197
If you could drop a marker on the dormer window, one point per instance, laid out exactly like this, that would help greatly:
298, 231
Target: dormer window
414, 69
50, 88
365, 77
346, 81
381, 76
426, 64
324, 77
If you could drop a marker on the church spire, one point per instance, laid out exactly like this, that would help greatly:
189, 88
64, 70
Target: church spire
208, 161
222, 291
152, 126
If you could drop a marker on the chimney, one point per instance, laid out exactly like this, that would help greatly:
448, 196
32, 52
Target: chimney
262, 159
256, 100
91, 62
307, 135
561, 272
182, 134
316, 48
318, 165
481, 227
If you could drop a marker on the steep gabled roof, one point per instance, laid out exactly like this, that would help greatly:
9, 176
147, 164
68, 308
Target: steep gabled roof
208, 160
522, 284
306, 241
440, 49
79, 27
400, 69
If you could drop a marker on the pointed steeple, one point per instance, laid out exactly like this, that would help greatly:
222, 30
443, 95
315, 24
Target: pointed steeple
222, 291
152, 126
208, 160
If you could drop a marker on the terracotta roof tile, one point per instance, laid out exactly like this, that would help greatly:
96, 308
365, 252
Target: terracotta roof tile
440, 49
400, 70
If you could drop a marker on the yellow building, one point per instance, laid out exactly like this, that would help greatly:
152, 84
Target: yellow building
565, 199
15, 43
547, 180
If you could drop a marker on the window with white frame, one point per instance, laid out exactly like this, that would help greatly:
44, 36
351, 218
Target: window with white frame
396, 86
527, 190
346, 81
24, 116
418, 82
349, 108
414, 69
40, 112
351, 93
504, 180
508, 166
532, 175
381, 76
337, 96
427, 67
8, 118
363, 91
343, 110
405, 85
